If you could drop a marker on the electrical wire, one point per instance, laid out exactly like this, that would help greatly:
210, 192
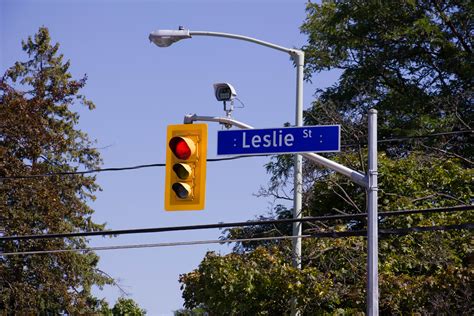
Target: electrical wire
210, 160
234, 224
67, 173
400, 139
334, 234
156, 245
408, 138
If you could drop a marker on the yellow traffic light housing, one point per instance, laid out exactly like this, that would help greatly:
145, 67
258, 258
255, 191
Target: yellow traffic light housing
186, 154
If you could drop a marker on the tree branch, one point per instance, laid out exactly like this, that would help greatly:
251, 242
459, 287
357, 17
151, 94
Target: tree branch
346, 196
115, 283
451, 26
449, 154
456, 113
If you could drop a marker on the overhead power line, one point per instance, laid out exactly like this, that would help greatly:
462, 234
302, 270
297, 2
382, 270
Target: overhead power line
234, 224
68, 173
334, 234
407, 138
400, 139
155, 245
154, 165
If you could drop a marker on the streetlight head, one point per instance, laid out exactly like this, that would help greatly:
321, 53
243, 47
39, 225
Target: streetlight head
164, 38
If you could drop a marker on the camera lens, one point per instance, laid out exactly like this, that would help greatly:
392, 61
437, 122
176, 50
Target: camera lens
224, 94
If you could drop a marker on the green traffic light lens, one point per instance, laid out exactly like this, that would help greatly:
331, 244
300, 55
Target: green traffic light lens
182, 190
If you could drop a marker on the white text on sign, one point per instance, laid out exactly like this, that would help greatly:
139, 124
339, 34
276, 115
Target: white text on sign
273, 139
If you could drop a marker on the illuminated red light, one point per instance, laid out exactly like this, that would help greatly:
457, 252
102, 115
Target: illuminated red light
180, 148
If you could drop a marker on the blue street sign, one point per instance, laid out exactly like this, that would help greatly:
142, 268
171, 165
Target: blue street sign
324, 138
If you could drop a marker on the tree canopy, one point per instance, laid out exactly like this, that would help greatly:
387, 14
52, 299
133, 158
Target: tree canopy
412, 61
39, 135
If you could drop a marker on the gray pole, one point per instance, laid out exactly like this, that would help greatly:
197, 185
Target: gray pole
372, 229
298, 172
298, 168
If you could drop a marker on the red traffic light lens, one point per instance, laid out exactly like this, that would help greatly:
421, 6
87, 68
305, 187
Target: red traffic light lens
180, 148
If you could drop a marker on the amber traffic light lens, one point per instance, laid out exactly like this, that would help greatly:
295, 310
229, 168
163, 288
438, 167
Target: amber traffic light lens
182, 170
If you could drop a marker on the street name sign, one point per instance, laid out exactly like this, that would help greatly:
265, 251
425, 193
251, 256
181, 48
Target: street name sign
324, 138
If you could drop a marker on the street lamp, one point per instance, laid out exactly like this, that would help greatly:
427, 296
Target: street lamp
164, 38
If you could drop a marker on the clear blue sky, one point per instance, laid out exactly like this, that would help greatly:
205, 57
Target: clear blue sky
139, 89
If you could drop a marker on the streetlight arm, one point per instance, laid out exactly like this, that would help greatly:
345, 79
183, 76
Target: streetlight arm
190, 118
355, 176
290, 51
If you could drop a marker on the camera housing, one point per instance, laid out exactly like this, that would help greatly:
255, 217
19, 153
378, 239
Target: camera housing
224, 91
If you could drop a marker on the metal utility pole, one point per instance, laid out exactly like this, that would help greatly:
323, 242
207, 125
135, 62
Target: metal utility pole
372, 221
298, 165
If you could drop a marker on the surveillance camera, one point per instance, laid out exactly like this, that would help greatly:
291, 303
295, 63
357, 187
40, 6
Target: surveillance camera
224, 91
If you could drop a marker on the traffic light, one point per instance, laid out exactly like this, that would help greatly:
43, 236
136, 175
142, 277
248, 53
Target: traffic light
185, 184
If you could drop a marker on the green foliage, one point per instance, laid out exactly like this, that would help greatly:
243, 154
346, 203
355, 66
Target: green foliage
258, 283
38, 135
424, 273
127, 307
123, 307
412, 61
413, 268
260, 231
418, 180
198, 311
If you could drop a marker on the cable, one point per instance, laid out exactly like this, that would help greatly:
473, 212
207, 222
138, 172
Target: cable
399, 139
407, 138
210, 160
234, 224
358, 233
421, 229
67, 173
169, 244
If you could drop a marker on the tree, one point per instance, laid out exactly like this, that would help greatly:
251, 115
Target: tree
412, 61
38, 135
257, 283
419, 272
128, 307
193, 312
